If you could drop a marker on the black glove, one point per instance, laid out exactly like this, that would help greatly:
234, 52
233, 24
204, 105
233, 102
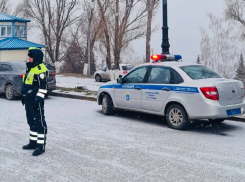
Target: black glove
23, 100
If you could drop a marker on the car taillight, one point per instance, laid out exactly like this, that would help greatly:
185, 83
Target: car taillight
125, 72
52, 74
210, 93
22, 75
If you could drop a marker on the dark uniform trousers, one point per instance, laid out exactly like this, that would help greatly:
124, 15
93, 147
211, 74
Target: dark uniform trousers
36, 121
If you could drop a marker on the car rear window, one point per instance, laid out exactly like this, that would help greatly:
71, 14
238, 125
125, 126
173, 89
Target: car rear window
21, 65
49, 66
128, 67
198, 72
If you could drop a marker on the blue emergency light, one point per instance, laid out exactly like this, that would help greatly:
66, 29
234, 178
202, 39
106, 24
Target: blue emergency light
178, 57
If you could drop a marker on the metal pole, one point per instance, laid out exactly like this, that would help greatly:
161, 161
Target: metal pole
89, 25
165, 39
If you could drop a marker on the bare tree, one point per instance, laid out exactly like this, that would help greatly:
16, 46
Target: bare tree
129, 25
52, 18
106, 31
235, 11
96, 27
4, 5
116, 36
78, 34
219, 46
151, 5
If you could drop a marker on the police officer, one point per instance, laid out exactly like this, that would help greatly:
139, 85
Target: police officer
33, 93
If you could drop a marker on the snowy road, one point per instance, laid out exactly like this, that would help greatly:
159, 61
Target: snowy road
84, 145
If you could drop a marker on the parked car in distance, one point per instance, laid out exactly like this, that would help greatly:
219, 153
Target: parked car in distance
103, 74
11, 74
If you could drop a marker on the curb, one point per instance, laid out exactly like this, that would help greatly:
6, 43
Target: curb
70, 96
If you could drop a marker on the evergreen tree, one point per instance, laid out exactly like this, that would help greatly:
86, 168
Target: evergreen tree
198, 60
240, 72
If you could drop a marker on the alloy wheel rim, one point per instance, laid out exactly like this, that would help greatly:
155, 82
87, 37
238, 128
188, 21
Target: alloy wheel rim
176, 117
97, 78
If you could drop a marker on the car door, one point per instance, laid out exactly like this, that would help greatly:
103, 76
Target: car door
158, 88
3, 76
128, 94
105, 74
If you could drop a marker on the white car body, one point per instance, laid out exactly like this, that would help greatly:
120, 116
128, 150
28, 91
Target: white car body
151, 98
104, 73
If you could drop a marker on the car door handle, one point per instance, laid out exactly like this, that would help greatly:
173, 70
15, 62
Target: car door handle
137, 88
166, 89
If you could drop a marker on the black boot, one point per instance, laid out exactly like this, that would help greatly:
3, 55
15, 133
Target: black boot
32, 145
39, 150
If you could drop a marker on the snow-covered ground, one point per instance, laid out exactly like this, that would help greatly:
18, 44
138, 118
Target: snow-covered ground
72, 82
85, 145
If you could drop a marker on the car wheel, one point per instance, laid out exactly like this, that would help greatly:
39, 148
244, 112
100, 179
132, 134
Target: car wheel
98, 78
217, 120
9, 92
107, 105
177, 117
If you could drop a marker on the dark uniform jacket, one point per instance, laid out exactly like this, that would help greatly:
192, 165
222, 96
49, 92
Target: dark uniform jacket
35, 79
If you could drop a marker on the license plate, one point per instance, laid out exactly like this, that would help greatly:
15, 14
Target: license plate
233, 112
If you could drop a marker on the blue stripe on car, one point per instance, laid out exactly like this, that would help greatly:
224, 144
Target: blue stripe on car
154, 87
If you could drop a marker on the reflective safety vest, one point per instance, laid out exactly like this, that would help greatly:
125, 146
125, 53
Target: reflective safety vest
34, 71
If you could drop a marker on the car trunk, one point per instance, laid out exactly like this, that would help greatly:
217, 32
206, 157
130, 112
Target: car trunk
230, 91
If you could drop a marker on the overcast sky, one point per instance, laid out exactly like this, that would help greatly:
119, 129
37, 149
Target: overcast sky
185, 17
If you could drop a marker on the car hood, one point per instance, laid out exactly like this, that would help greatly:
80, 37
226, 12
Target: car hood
111, 82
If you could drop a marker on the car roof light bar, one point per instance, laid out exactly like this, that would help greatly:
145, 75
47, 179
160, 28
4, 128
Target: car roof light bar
165, 57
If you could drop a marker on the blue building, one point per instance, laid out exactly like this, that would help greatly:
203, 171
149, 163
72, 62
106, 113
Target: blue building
13, 38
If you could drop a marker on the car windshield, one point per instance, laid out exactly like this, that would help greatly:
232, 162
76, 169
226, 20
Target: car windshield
128, 67
21, 65
197, 72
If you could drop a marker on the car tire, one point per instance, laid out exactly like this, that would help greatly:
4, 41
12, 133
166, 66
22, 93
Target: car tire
107, 105
177, 117
9, 92
98, 78
217, 120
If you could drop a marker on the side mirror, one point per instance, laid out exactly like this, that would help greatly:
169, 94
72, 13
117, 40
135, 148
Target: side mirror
119, 80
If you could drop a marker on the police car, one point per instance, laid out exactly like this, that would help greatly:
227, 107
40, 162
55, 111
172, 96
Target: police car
179, 91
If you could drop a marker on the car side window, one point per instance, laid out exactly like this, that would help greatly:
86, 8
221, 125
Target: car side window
5, 67
176, 77
104, 69
136, 76
160, 75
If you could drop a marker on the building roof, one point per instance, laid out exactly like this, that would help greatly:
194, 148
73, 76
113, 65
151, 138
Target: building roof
9, 18
16, 44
